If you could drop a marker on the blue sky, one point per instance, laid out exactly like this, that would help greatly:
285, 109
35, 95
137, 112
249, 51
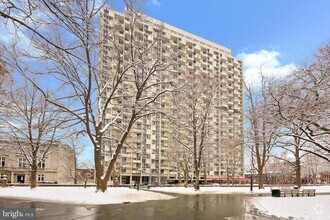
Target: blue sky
293, 27
274, 34
277, 34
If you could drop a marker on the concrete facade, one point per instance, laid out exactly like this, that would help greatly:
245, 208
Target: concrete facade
55, 168
149, 163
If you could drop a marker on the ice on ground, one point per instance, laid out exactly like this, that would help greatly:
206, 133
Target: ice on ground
80, 195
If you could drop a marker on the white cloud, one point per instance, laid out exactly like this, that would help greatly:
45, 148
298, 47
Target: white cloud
266, 62
155, 2
10, 34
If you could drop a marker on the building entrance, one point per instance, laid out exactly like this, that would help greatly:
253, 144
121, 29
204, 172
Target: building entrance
20, 178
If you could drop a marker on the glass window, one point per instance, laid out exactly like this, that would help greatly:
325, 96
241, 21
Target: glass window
21, 163
2, 162
42, 164
41, 178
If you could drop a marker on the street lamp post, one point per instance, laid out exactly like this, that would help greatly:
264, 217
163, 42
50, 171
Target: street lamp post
251, 186
138, 182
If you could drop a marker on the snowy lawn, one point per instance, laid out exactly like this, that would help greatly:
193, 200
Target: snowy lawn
80, 195
208, 190
228, 190
298, 207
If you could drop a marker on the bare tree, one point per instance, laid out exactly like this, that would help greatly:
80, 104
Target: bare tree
86, 171
313, 165
76, 145
263, 129
179, 160
3, 70
68, 46
293, 146
279, 168
33, 124
191, 127
5, 79
232, 149
302, 101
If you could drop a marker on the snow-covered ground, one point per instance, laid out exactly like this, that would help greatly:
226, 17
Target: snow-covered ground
80, 195
205, 190
228, 190
309, 208
297, 207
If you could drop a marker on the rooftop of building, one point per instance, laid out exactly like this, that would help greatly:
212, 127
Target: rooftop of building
12, 142
181, 33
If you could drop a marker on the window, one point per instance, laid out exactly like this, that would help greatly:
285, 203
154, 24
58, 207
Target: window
21, 163
41, 178
123, 150
2, 162
42, 164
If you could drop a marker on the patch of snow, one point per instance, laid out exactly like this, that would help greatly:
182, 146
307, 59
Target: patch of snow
207, 190
309, 208
80, 195
229, 190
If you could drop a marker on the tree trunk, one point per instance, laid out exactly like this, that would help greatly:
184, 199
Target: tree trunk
104, 181
260, 178
197, 173
33, 178
75, 176
34, 168
298, 172
98, 164
232, 180
185, 173
185, 179
103, 185
297, 163
205, 177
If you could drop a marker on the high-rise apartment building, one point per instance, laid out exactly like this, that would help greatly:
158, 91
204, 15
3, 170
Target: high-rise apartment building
145, 156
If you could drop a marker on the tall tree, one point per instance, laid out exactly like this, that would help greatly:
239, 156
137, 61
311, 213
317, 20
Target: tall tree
77, 146
179, 160
303, 100
232, 157
262, 127
33, 124
67, 48
191, 128
292, 144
